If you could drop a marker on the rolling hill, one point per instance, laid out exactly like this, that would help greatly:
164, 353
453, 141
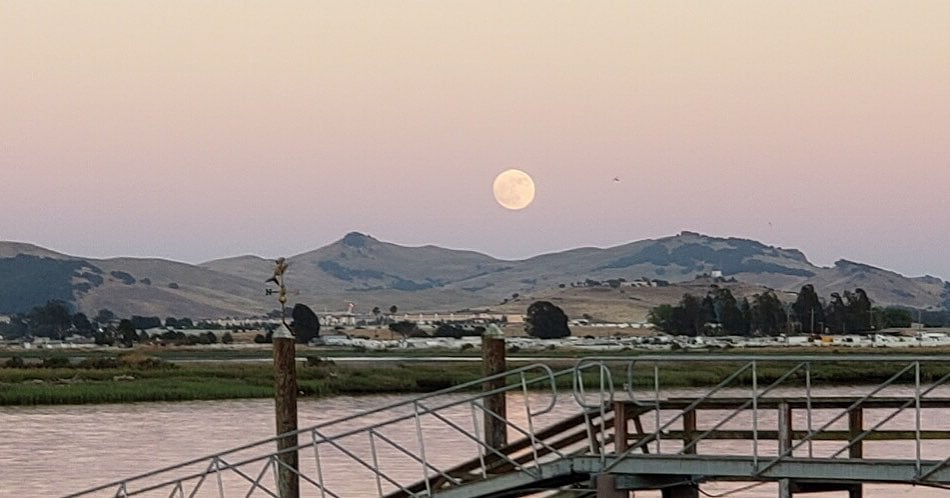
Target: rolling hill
361, 269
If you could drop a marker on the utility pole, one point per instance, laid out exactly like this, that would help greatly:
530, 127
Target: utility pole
285, 394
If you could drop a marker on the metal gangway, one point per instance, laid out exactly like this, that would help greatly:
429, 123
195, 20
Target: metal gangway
608, 426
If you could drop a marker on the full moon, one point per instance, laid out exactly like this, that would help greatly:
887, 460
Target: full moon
513, 189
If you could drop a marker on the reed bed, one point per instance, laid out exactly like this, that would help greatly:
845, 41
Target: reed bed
139, 377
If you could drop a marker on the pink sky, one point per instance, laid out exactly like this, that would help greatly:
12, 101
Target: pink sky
197, 130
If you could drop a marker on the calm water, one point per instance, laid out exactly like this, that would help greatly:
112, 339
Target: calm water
51, 451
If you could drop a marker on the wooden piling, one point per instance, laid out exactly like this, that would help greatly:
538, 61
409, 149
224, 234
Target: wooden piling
493, 362
285, 404
855, 428
784, 444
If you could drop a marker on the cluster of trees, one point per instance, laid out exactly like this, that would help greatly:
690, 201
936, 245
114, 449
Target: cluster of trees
126, 335
55, 320
407, 328
720, 313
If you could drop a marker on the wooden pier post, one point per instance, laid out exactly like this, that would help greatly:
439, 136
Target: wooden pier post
689, 434
784, 443
689, 431
855, 428
621, 431
285, 405
493, 362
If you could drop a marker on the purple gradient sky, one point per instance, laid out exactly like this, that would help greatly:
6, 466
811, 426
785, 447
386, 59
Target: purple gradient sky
197, 130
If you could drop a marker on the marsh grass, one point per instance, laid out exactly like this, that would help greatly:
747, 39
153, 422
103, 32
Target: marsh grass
141, 376
206, 381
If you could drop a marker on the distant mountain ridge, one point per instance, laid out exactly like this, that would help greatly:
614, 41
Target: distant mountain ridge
361, 269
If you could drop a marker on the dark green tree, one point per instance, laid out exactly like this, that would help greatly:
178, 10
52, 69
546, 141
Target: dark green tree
836, 315
689, 317
858, 310
808, 310
15, 329
546, 321
746, 309
146, 322
897, 317
50, 320
726, 312
406, 328
662, 317
127, 335
768, 314
104, 316
82, 324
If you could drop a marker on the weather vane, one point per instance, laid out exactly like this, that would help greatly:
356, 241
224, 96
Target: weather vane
280, 266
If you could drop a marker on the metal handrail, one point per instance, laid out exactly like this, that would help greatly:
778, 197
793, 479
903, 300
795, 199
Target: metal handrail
894, 413
334, 434
545, 376
751, 360
857, 403
741, 407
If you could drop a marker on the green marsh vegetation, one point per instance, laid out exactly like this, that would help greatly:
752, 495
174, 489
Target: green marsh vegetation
101, 376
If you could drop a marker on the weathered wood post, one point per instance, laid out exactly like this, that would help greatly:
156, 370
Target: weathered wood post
689, 432
285, 406
493, 362
689, 435
855, 428
285, 395
784, 443
621, 428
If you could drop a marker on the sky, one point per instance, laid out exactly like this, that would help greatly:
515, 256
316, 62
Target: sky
195, 130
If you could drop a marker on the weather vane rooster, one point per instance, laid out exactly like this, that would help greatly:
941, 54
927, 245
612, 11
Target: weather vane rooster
280, 266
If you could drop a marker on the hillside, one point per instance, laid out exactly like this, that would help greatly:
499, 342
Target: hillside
368, 272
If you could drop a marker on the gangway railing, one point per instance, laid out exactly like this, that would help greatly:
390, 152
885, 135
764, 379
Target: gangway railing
747, 391
753, 400
361, 440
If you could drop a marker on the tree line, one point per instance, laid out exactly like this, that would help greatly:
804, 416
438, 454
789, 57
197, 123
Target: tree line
720, 313
55, 320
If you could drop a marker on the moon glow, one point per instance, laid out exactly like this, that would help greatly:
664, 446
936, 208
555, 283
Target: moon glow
513, 189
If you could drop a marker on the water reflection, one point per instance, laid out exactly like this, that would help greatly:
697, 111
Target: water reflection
50, 451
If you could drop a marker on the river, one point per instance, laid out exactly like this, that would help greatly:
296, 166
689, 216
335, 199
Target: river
54, 450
